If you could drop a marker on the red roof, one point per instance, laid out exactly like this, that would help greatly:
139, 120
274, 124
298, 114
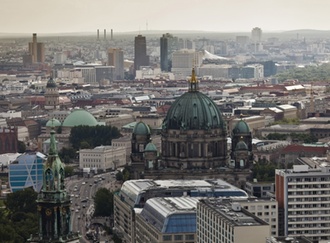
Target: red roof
296, 148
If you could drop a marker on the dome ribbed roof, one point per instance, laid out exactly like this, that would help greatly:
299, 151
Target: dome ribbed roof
193, 110
241, 145
141, 129
53, 123
241, 127
150, 148
78, 118
51, 83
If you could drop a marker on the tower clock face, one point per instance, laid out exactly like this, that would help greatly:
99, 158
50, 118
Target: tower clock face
48, 212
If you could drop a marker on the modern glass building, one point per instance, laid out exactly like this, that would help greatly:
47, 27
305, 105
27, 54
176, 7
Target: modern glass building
26, 171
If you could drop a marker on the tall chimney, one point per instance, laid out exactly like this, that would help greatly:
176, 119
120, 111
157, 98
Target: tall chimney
98, 34
111, 35
105, 34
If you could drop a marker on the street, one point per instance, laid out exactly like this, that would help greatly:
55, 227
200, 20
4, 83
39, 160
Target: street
82, 191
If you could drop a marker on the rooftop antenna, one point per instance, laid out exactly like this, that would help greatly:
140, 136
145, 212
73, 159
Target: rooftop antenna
147, 25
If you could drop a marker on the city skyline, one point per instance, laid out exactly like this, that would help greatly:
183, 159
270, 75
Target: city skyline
125, 16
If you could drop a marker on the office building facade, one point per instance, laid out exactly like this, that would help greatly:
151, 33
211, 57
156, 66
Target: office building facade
221, 221
26, 171
304, 202
134, 194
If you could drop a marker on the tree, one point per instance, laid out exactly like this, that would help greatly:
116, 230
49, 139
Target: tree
21, 147
94, 136
21, 220
103, 201
68, 171
22, 201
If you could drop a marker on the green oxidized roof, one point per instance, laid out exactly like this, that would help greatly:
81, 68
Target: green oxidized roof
241, 145
51, 83
141, 129
193, 110
241, 127
53, 123
80, 117
150, 148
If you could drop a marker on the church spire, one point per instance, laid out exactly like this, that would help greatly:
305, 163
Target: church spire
193, 82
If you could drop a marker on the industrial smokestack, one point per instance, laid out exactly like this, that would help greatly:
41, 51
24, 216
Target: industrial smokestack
111, 35
105, 34
98, 34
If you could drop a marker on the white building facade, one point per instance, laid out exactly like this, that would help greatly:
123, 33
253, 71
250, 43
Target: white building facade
102, 158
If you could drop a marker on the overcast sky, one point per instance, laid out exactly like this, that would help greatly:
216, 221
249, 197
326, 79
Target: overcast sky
55, 16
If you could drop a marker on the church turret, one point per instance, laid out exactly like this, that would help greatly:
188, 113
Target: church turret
51, 95
53, 202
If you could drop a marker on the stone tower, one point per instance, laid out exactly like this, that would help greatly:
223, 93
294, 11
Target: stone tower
52, 95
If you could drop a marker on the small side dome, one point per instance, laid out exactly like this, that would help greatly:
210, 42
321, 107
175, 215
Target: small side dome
241, 127
241, 145
141, 129
150, 148
53, 123
51, 83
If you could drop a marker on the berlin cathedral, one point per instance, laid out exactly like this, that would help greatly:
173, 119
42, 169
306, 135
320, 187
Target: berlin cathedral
193, 138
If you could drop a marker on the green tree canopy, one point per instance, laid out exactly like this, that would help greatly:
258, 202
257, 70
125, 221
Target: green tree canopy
307, 74
93, 136
103, 201
19, 220
22, 201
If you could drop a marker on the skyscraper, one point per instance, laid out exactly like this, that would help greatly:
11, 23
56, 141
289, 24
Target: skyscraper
168, 44
140, 52
116, 59
36, 50
53, 202
256, 34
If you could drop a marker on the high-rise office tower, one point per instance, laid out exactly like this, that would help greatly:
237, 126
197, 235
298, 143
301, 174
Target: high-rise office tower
116, 59
140, 52
98, 34
36, 50
164, 53
168, 44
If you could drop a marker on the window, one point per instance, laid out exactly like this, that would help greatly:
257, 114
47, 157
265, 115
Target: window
167, 237
178, 237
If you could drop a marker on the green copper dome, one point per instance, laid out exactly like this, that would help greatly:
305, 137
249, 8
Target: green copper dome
80, 118
150, 148
53, 123
241, 127
51, 83
241, 145
141, 129
193, 110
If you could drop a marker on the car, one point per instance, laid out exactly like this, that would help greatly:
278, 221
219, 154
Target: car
91, 184
84, 183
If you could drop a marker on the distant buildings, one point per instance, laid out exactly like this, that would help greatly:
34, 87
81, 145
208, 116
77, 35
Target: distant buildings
140, 52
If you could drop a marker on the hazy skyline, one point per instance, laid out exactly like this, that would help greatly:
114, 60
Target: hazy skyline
61, 16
